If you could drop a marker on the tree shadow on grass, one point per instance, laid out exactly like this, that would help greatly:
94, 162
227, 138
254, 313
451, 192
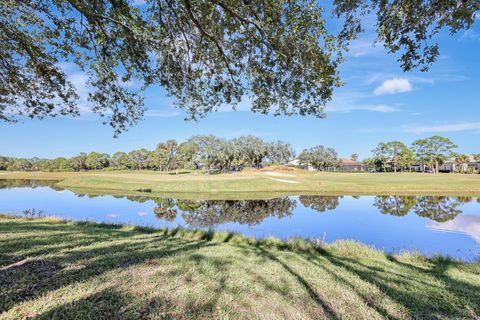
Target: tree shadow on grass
111, 303
420, 293
424, 292
106, 304
312, 292
24, 278
117, 249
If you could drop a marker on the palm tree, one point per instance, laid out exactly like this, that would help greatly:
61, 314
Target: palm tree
462, 161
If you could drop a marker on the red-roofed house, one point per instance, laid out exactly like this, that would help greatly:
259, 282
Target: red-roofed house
350, 165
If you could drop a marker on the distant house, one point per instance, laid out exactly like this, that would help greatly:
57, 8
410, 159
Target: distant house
296, 164
345, 165
450, 165
351, 165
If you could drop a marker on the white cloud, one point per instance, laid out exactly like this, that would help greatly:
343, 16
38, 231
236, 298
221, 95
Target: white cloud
367, 47
392, 86
466, 224
383, 108
453, 127
382, 76
470, 34
344, 102
244, 105
162, 114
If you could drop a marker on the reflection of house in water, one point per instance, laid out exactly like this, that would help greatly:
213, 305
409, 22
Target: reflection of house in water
165, 213
467, 224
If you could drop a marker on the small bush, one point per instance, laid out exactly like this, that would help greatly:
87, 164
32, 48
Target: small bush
240, 239
222, 236
272, 242
468, 171
301, 245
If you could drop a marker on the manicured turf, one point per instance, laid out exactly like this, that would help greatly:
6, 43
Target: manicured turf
260, 183
53, 269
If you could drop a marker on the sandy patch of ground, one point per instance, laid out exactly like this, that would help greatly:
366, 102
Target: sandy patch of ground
286, 181
278, 174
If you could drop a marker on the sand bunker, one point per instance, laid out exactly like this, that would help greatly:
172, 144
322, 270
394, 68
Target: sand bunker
278, 174
286, 181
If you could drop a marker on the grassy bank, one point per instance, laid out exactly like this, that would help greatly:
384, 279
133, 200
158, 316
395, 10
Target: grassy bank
53, 269
258, 182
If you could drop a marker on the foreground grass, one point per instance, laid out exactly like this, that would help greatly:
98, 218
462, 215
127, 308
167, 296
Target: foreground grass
259, 184
54, 269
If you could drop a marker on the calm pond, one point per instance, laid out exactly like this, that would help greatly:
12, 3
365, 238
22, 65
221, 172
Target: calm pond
428, 224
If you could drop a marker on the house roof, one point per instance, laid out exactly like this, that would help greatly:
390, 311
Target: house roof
471, 159
350, 162
295, 162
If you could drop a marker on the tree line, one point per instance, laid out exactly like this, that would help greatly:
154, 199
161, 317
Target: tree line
423, 154
211, 152
200, 151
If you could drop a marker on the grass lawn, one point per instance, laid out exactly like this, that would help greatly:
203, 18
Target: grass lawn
259, 183
54, 269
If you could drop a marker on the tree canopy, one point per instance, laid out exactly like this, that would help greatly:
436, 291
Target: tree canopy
206, 53
433, 151
319, 157
391, 151
200, 151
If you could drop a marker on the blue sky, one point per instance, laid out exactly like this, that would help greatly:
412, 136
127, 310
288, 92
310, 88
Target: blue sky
379, 102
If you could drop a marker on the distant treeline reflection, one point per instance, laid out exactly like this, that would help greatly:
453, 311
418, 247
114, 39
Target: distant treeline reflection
28, 183
437, 208
206, 213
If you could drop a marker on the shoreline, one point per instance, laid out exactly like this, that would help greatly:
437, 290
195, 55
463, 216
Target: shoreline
51, 268
256, 184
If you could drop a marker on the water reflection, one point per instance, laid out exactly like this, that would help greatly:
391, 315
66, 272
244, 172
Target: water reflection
437, 208
466, 224
203, 213
207, 213
429, 224
320, 203
27, 183
395, 205
165, 209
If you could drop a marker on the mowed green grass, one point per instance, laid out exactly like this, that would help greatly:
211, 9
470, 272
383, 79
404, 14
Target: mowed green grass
260, 184
54, 269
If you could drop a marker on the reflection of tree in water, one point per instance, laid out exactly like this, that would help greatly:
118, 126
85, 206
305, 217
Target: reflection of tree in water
438, 208
320, 203
28, 183
464, 199
165, 209
395, 205
205, 213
